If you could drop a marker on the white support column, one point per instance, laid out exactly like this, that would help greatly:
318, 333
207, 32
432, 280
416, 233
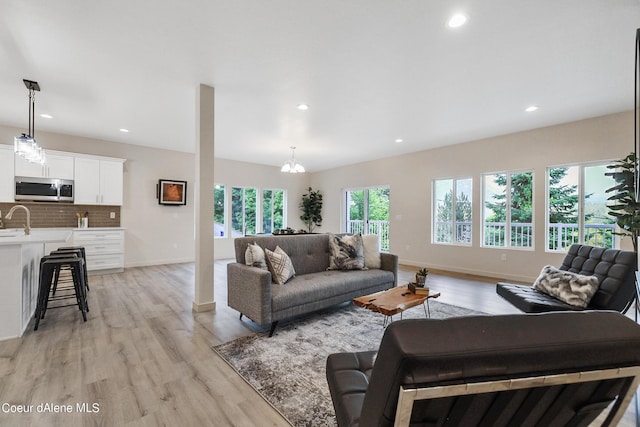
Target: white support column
204, 300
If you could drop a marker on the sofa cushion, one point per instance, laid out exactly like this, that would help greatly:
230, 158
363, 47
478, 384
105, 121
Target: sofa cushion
326, 284
346, 252
572, 288
255, 257
280, 265
371, 244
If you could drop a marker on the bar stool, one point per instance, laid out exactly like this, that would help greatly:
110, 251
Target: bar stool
79, 251
48, 266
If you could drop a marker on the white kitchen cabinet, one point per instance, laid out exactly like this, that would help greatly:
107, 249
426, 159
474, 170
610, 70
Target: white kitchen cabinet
57, 166
98, 181
6, 174
104, 248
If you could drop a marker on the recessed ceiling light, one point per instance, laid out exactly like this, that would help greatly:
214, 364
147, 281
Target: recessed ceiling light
399, 141
457, 20
46, 116
303, 107
531, 108
124, 130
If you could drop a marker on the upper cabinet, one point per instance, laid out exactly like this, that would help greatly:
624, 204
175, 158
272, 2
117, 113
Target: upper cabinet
98, 181
57, 166
6, 174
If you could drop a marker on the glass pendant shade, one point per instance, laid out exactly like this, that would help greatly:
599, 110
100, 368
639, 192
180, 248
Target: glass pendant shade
292, 166
25, 145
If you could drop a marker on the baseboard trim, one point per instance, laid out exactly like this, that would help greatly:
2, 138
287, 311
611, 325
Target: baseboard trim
473, 275
157, 262
199, 308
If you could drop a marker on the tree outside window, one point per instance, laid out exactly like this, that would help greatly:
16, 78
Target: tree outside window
243, 211
272, 210
577, 207
219, 204
508, 210
453, 215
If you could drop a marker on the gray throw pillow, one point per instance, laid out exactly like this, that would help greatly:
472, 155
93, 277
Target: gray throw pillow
571, 288
346, 252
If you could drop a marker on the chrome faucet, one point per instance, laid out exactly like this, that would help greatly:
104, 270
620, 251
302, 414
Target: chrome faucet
27, 227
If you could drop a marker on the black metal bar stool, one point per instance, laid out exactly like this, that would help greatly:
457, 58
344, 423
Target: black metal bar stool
49, 266
79, 251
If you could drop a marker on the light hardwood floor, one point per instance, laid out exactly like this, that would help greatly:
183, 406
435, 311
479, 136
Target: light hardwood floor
145, 358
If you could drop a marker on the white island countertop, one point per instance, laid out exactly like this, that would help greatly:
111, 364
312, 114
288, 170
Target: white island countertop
16, 236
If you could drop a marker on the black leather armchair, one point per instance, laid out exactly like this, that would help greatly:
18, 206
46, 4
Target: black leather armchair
551, 369
615, 271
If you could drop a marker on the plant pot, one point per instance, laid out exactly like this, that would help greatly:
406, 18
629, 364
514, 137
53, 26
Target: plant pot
420, 280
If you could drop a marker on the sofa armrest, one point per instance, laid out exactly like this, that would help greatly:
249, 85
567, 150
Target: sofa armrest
389, 262
249, 291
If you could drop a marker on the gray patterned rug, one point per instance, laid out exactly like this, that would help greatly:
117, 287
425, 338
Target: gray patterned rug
288, 369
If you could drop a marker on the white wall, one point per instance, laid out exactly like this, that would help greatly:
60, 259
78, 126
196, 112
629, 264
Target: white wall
410, 176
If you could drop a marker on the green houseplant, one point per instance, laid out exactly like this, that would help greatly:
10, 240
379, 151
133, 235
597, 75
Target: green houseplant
624, 206
311, 206
421, 276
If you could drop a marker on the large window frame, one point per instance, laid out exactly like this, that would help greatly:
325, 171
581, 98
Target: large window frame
361, 217
244, 211
509, 231
219, 211
274, 212
452, 217
587, 222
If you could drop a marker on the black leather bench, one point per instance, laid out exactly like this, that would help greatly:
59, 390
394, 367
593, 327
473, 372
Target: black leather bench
551, 369
614, 269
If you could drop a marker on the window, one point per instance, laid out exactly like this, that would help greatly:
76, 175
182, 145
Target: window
508, 210
577, 207
367, 212
243, 211
272, 210
452, 216
219, 210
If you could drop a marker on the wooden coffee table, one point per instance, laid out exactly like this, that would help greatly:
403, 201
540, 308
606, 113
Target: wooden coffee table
394, 301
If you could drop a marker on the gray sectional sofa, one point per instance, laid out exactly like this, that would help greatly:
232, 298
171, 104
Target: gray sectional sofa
252, 293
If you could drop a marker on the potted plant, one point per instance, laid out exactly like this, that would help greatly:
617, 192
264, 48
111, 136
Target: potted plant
421, 276
625, 207
311, 206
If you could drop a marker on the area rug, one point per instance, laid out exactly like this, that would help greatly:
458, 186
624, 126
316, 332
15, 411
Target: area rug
288, 369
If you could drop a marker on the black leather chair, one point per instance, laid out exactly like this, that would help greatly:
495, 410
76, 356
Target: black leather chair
551, 369
615, 271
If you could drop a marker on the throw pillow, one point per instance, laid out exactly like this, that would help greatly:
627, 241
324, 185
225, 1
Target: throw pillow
254, 256
280, 265
371, 250
571, 288
346, 252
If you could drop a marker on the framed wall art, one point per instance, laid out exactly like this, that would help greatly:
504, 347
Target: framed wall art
172, 192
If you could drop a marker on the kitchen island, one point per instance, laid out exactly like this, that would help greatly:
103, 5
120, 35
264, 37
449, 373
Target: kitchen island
19, 272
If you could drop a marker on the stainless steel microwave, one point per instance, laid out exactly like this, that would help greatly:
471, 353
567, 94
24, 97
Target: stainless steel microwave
43, 189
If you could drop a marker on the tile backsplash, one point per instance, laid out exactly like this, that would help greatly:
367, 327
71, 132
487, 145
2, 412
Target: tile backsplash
49, 215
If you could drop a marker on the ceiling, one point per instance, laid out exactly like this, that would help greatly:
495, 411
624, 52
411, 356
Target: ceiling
372, 71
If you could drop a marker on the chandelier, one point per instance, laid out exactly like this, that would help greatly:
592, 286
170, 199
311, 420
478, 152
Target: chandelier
25, 145
292, 166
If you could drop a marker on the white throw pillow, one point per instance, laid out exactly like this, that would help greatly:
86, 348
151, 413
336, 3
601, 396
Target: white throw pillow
571, 288
371, 250
280, 265
254, 256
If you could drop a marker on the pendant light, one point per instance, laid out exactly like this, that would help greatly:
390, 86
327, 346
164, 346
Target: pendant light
25, 145
292, 166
